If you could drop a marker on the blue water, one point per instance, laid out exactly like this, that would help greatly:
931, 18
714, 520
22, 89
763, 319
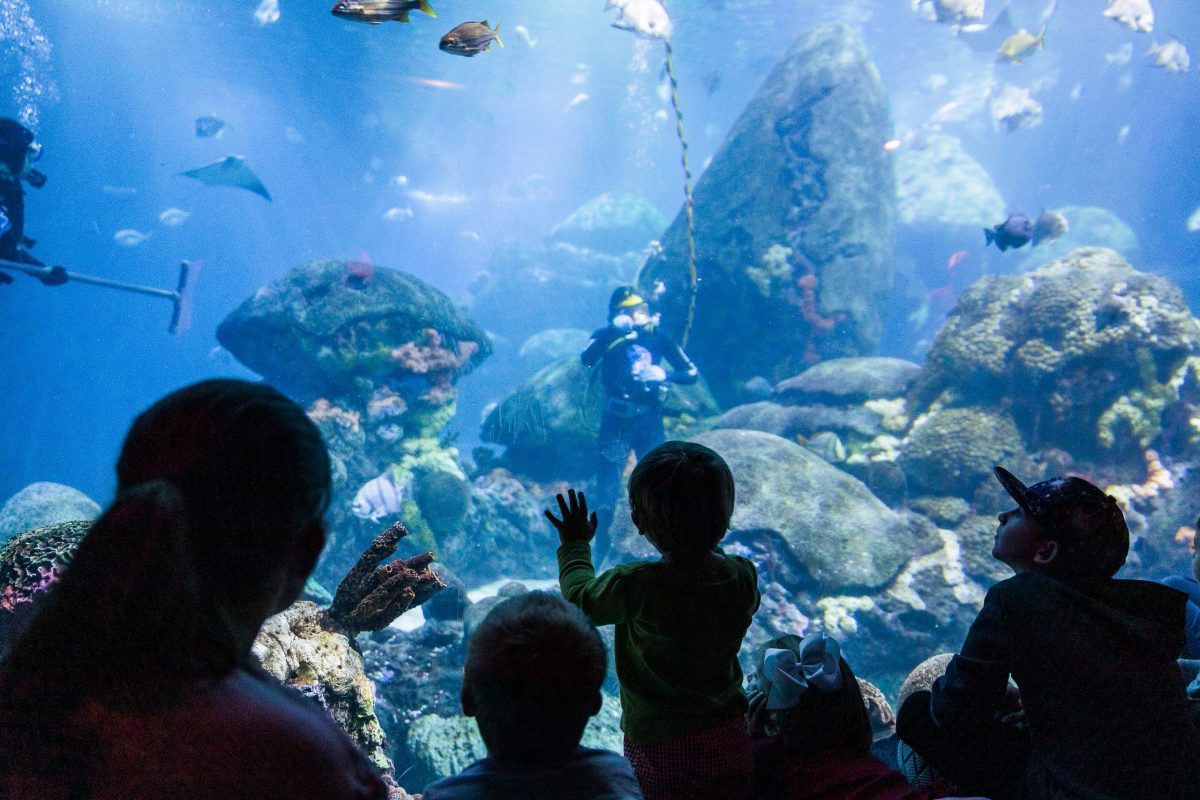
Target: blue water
504, 154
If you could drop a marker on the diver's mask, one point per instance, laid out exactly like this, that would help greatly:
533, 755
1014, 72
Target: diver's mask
33, 177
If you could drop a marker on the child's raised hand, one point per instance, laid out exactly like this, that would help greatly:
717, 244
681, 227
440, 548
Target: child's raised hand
575, 525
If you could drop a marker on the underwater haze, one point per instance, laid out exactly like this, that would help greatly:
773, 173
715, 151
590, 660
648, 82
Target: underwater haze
924, 244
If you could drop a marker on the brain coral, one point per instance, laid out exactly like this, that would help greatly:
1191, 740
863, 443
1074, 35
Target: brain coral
951, 451
1063, 344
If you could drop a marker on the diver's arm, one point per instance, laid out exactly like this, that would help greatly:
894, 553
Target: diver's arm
685, 371
596, 347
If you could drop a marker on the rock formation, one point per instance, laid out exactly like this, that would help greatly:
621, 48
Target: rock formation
795, 222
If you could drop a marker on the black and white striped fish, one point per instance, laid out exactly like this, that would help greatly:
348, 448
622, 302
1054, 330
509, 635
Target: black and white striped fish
377, 11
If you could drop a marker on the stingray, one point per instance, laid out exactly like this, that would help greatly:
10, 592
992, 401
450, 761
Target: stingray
229, 171
988, 38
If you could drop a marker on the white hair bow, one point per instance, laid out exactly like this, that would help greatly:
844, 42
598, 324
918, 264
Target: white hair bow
788, 677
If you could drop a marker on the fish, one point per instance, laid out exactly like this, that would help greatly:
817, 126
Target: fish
1121, 56
374, 12
1137, 15
577, 100
1014, 232
119, 191
439, 200
292, 135
1171, 55
828, 446
377, 498
174, 217
1019, 45
436, 83
1123, 134
525, 35
267, 12
209, 126
1049, 226
398, 214
956, 258
470, 39
647, 18
229, 171
1076, 91
130, 237
1193, 221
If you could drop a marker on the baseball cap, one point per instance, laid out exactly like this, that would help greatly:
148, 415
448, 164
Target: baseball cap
1079, 514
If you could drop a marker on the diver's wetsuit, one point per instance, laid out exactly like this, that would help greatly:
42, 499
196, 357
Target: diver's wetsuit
633, 417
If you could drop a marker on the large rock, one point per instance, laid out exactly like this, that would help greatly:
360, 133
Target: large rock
838, 532
941, 185
549, 424
325, 324
614, 222
849, 380
44, 503
528, 288
951, 451
1087, 350
795, 222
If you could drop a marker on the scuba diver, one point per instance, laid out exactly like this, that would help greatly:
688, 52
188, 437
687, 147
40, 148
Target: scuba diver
628, 352
18, 154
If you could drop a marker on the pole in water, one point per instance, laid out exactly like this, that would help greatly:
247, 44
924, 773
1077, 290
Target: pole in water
181, 298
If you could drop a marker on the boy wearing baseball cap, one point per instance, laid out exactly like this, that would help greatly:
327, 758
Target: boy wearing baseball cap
1096, 706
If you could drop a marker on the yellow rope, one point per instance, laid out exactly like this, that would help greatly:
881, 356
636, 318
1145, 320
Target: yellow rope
693, 286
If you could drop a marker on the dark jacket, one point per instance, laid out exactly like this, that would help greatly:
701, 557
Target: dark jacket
1103, 697
12, 202
622, 354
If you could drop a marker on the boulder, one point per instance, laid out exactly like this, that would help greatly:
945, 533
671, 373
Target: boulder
1086, 350
794, 222
44, 503
940, 184
614, 222
320, 327
552, 344
549, 424
838, 533
842, 381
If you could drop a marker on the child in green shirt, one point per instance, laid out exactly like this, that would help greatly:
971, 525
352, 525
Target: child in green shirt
679, 623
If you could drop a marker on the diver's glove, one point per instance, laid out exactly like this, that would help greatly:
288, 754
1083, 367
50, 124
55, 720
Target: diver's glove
57, 276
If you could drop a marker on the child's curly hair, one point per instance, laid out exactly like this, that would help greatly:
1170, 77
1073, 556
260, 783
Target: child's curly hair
683, 495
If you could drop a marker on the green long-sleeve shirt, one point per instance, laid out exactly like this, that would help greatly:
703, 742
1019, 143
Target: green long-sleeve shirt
677, 638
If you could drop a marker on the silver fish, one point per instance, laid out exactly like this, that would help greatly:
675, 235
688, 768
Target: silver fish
377, 498
470, 39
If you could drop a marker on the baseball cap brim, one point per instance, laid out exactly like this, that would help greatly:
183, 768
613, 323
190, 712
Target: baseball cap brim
1017, 490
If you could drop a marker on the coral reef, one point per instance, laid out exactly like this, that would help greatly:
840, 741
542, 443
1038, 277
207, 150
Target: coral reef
801, 171
371, 595
374, 355
951, 451
30, 563
1075, 342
